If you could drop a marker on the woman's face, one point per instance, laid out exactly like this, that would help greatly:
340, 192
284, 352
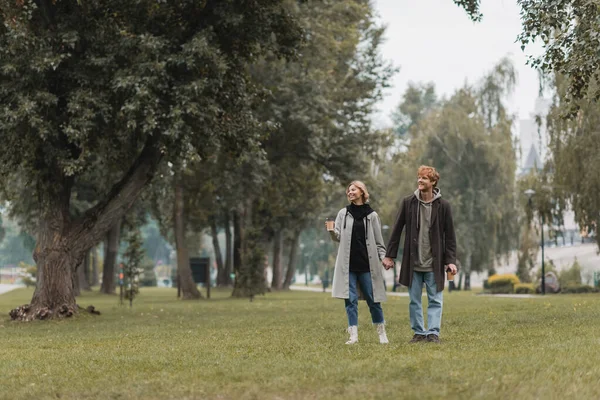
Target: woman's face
354, 194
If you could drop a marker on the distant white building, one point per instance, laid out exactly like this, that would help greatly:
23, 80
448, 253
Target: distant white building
533, 138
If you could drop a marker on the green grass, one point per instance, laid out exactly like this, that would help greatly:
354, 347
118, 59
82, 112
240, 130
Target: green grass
291, 346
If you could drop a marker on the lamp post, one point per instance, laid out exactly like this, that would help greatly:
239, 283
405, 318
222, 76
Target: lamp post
530, 193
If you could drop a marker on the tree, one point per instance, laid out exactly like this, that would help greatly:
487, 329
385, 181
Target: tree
320, 106
132, 264
90, 84
417, 101
572, 168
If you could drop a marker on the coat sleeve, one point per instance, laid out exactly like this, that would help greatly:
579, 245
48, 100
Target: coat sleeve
378, 237
337, 230
394, 242
449, 237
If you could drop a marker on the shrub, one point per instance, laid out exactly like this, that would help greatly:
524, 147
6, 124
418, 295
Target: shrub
578, 288
502, 280
502, 289
524, 288
571, 276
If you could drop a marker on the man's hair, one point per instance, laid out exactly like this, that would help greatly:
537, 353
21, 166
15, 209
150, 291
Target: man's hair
429, 172
362, 187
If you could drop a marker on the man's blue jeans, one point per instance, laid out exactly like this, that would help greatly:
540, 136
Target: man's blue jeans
366, 286
434, 307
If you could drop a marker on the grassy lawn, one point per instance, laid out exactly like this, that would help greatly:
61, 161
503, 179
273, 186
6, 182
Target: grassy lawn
291, 346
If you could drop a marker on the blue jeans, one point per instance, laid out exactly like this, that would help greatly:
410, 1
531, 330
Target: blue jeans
434, 306
366, 286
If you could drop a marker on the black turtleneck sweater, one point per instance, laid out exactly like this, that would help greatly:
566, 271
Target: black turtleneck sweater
359, 257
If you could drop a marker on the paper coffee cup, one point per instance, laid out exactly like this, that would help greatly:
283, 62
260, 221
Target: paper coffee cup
330, 223
449, 275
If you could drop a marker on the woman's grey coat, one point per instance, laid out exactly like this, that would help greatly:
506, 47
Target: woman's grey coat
375, 249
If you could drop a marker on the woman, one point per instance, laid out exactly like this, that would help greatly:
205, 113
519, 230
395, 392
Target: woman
358, 230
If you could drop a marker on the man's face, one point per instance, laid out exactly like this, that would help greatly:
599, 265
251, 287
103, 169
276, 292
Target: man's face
424, 183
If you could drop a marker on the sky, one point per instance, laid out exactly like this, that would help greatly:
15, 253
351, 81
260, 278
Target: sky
435, 41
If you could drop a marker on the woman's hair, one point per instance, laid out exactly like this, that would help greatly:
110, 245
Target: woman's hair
430, 172
362, 187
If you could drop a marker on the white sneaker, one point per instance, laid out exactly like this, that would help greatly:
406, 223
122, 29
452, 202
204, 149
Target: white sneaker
353, 331
382, 336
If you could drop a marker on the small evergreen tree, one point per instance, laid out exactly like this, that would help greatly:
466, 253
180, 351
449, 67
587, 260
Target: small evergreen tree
132, 267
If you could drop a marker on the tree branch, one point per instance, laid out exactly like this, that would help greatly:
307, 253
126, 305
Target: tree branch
93, 225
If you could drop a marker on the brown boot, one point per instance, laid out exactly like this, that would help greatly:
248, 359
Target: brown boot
418, 338
433, 338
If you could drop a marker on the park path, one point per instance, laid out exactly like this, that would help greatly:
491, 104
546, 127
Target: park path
316, 289
405, 294
4, 288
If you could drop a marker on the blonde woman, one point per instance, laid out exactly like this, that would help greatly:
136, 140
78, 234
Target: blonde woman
358, 264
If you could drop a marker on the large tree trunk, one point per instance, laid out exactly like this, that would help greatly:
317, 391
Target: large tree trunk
94, 273
54, 295
250, 277
62, 242
228, 252
293, 260
467, 272
217, 249
237, 243
83, 272
189, 290
110, 259
276, 282
75, 281
86, 271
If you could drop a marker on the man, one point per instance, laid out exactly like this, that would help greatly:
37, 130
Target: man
429, 250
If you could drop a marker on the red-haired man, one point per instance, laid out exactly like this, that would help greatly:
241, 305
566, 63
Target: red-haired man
429, 251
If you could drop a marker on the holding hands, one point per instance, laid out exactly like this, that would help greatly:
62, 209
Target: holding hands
388, 263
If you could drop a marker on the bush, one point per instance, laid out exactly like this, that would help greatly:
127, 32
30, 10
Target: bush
578, 288
571, 276
502, 289
503, 280
524, 288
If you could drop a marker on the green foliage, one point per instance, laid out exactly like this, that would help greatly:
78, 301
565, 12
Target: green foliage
527, 254
417, 101
578, 288
502, 283
471, 7
132, 260
524, 288
570, 276
118, 86
503, 279
574, 146
568, 31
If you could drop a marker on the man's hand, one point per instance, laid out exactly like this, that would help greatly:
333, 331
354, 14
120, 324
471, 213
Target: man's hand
452, 268
388, 263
